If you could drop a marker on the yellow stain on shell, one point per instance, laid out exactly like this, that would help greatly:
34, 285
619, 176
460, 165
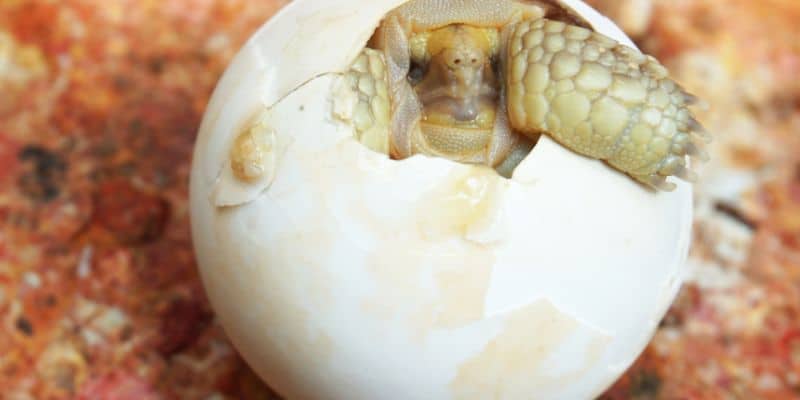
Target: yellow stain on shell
465, 204
252, 154
514, 363
462, 293
435, 246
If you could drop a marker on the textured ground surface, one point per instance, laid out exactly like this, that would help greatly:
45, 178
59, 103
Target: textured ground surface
99, 298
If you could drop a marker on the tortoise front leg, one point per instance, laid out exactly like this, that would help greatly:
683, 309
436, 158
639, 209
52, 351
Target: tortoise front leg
600, 99
392, 40
363, 100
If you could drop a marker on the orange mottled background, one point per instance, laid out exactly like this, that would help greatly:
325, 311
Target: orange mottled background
100, 102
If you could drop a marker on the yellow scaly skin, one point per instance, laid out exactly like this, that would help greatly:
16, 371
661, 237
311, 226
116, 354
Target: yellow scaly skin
490, 88
599, 99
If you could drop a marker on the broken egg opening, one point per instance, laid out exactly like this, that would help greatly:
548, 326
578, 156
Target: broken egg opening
339, 273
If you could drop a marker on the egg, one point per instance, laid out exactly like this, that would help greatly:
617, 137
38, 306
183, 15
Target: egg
339, 273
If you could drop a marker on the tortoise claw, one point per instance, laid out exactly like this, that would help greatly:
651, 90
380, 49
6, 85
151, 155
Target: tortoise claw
695, 151
697, 129
658, 182
686, 174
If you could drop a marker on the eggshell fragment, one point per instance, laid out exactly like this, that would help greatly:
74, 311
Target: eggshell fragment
351, 276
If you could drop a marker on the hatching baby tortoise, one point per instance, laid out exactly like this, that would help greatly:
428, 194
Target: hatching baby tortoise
477, 81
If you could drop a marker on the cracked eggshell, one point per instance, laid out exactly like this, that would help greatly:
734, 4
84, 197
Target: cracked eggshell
345, 275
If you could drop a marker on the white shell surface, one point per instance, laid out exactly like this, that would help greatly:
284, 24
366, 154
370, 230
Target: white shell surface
351, 276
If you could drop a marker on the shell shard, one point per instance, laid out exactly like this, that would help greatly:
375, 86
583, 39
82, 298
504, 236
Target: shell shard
251, 165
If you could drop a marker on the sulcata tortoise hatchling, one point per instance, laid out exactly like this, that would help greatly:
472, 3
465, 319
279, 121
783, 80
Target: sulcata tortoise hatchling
477, 81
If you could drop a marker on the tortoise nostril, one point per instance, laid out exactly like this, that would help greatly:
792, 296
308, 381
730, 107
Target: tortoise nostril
457, 61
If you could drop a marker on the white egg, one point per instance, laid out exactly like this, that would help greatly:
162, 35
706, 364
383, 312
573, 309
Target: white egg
341, 274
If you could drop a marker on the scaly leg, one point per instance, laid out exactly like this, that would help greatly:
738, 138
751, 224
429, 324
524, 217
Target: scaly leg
392, 39
363, 100
600, 99
519, 150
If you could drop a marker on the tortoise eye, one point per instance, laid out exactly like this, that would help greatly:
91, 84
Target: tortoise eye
495, 65
415, 73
